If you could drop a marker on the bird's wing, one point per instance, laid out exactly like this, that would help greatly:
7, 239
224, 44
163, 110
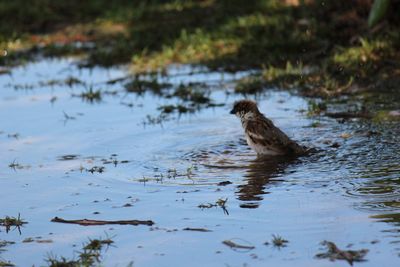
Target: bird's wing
262, 131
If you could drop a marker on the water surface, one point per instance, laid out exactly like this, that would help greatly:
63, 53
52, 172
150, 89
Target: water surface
165, 165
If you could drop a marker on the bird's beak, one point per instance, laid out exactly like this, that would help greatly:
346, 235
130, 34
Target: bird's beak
232, 112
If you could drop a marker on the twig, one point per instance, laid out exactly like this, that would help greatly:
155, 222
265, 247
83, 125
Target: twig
196, 229
232, 244
88, 222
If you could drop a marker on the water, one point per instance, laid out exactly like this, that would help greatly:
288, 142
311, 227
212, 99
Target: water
348, 193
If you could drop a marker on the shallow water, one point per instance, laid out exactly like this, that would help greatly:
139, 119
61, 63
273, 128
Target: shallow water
348, 193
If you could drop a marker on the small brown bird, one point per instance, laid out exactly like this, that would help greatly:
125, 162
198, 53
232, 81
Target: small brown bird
261, 134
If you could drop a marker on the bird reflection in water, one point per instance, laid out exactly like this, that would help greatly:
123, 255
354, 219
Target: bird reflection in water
260, 173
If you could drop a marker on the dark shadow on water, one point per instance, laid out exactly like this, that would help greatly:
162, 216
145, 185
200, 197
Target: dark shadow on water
260, 174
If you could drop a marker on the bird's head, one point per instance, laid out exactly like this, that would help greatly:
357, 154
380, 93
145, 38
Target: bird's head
244, 107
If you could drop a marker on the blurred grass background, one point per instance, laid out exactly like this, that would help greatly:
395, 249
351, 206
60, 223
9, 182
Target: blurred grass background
278, 36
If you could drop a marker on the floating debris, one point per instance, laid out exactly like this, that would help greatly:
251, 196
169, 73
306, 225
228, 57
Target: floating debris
88, 222
22, 86
68, 157
126, 205
162, 229
14, 135
219, 203
345, 135
15, 165
196, 229
235, 245
334, 253
186, 191
129, 105
68, 117
113, 160
37, 240
116, 80
99, 169
224, 183
158, 120
44, 241
28, 240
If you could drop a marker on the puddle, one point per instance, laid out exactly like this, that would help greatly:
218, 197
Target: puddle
76, 143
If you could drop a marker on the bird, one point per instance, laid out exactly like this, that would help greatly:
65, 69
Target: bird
261, 133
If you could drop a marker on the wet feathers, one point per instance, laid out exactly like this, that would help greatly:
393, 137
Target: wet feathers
261, 134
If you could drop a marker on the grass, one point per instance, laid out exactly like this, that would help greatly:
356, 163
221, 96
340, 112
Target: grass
98, 169
250, 85
176, 108
196, 93
219, 203
15, 165
365, 53
316, 108
53, 261
155, 120
91, 95
9, 222
193, 95
3, 244
325, 49
6, 264
140, 86
97, 244
278, 241
89, 255
272, 73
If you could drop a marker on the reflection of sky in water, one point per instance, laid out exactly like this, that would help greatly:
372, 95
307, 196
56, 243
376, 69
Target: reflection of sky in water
327, 196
